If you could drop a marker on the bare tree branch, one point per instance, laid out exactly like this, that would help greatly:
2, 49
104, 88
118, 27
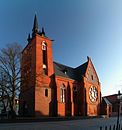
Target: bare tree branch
10, 77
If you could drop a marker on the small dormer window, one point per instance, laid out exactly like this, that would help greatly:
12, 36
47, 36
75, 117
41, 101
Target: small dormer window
65, 71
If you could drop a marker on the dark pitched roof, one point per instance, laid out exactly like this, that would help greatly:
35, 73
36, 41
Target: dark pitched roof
63, 70
106, 101
81, 70
112, 98
69, 72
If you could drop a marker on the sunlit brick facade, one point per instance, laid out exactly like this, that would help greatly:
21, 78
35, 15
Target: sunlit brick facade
52, 89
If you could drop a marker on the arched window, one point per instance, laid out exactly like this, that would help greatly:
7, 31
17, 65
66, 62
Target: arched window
63, 93
44, 56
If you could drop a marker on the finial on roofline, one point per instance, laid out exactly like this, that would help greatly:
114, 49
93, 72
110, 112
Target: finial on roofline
88, 58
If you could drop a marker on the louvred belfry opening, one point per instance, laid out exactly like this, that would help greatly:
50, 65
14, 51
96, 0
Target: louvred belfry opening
44, 55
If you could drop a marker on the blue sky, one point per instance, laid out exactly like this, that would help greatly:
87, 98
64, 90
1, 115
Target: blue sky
80, 28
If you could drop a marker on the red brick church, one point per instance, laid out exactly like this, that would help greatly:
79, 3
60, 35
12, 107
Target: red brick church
52, 89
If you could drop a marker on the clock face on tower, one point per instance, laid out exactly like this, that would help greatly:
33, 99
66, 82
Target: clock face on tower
93, 94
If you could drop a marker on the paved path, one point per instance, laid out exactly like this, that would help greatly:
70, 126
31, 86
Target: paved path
86, 124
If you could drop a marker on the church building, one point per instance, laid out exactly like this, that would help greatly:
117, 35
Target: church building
49, 88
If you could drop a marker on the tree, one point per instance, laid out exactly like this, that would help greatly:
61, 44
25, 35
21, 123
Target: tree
10, 77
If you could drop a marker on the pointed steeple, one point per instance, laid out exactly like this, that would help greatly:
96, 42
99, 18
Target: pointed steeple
35, 26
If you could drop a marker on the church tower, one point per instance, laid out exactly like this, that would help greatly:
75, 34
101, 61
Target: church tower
37, 67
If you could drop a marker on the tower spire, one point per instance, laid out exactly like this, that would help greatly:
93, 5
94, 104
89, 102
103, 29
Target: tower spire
35, 26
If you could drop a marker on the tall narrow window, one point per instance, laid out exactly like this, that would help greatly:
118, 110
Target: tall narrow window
46, 92
63, 93
92, 77
75, 94
44, 54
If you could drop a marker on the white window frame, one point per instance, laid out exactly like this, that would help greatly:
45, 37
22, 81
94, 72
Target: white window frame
44, 46
63, 94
